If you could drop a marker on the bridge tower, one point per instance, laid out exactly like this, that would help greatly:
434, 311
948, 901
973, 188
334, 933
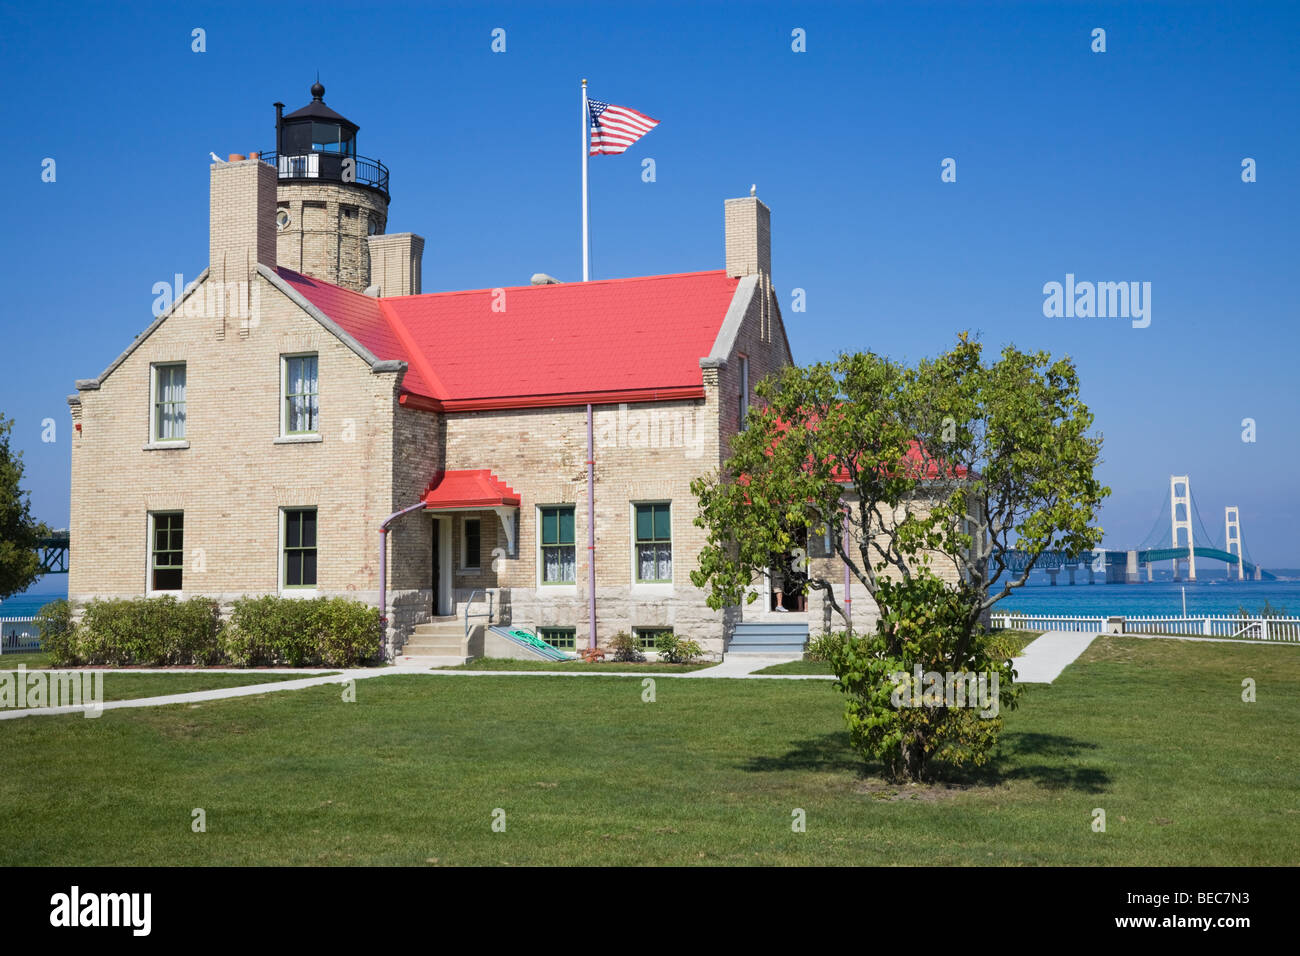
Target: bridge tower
1232, 534
1184, 499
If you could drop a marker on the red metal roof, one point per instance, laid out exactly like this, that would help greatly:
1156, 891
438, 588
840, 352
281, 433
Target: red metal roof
474, 488
570, 343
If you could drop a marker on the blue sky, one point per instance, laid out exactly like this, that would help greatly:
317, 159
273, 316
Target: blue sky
1115, 166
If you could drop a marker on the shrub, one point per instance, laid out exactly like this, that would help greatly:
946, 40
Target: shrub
153, 631
625, 649
58, 638
921, 625
821, 648
673, 650
593, 654
334, 632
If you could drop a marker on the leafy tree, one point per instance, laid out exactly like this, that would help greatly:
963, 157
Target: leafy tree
951, 462
20, 563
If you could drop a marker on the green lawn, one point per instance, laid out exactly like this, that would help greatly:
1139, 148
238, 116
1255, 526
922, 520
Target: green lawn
509, 664
1153, 732
10, 662
126, 685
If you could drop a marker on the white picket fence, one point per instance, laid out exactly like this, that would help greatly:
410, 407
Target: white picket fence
1255, 628
1285, 629
1013, 621
18, 635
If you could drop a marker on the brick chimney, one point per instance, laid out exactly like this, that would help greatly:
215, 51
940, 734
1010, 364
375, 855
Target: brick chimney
242, 218
396, 263
749, 236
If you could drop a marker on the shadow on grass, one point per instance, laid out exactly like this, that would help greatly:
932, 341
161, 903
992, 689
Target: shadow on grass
829, 752
1050, 761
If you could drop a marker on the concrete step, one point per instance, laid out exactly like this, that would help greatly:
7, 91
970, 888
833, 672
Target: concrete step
430, 644
439, 628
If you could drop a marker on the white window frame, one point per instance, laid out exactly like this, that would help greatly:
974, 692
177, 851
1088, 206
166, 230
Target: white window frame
281, 588
651, 587
154, 440
464, 544
283, 399
555, 588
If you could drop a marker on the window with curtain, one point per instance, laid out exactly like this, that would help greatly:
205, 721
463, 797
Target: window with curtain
301, 395
559, 555
654, 544
169, 402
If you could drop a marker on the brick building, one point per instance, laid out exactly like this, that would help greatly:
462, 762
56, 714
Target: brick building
261, 435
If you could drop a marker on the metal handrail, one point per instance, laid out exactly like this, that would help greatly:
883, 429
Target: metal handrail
472, 595
370, 172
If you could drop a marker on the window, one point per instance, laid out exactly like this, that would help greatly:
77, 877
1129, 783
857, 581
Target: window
558, 637
300, 548
559, 561
166, 550
169, 402
471, 544
301, 400
646, 636
744, 390
654, 544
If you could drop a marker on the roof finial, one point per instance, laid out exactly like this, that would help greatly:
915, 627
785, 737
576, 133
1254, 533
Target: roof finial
317, 91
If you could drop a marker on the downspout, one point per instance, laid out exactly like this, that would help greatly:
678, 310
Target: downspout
848, 581
383, 565
591, 533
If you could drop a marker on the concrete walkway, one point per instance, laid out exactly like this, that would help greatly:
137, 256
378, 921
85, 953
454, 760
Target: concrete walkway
737, 668
1043, 658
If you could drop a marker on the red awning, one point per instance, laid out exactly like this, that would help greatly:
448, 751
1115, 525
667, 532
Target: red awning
476, 488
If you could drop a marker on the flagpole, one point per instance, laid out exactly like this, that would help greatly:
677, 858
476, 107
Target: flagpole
586, 151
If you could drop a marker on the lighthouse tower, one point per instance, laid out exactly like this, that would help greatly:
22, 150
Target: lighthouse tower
331, 202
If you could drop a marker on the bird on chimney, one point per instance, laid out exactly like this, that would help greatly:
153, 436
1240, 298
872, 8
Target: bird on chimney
215, 157
753, 190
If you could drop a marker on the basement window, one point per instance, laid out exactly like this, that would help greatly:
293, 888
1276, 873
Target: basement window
561, 638
646, 636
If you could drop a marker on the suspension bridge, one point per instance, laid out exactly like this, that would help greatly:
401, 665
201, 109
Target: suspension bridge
1125, 566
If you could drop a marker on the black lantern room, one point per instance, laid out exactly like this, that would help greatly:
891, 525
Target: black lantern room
317, 143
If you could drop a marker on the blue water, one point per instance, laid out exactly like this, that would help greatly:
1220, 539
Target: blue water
1157, 597
48, 589
1203, 597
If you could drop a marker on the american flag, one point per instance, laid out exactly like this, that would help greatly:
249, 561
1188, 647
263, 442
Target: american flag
615, 128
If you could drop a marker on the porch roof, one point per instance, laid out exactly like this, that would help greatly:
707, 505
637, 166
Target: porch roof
466, 489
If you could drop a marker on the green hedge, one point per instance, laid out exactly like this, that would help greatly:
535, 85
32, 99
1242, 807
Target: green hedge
331, 632
157, 632
54, 625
